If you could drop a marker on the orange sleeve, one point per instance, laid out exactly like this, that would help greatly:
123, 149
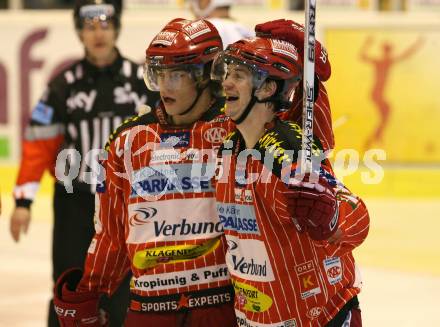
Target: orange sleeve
38, 155
43, 138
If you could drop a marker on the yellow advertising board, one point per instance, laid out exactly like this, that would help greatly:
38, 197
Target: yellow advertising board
385, 91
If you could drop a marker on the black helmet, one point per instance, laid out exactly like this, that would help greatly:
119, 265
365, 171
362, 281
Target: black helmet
102, 10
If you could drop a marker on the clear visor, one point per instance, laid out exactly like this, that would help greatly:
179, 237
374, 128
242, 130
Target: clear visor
159, 77
226, 66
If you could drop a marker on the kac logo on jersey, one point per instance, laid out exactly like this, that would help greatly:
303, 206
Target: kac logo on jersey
333, 269
314, 313
175, 140
215, 134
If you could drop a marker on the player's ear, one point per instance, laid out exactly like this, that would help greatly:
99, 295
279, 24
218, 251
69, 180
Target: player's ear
266, 90
204, 83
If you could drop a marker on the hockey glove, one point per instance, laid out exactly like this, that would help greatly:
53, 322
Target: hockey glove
314, 207
292, 32
73, 308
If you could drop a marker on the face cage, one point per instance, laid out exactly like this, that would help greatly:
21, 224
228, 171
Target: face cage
219, 69
151, 73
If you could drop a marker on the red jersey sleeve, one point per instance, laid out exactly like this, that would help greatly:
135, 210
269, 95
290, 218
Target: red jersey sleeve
354, 219
107, 261
354, 223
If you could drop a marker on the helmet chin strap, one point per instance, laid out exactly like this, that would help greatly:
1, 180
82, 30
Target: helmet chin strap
199, 93
249, 107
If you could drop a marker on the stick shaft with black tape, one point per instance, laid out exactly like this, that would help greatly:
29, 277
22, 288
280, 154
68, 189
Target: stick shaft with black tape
308, 85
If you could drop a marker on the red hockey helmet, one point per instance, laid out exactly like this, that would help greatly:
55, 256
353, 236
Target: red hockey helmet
182, 44
265, 58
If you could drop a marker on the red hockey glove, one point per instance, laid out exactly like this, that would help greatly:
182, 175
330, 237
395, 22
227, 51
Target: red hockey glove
314, 207
75, 309
292, 32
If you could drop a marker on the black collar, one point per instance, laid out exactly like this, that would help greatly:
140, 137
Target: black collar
113, 69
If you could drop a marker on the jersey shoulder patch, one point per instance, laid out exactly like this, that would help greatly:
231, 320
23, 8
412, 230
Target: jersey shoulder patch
281, 145
282, 136
291, 134
129, 123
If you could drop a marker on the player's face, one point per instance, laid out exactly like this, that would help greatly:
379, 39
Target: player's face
99, 39
177, 90
238, 90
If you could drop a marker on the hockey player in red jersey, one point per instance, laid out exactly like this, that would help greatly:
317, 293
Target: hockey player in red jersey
156, 210
292, 32
290, 239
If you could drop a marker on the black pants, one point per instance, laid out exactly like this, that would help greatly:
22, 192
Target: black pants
72, 232
339, 319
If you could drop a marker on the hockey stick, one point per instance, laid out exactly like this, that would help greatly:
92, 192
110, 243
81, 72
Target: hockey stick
308, 86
